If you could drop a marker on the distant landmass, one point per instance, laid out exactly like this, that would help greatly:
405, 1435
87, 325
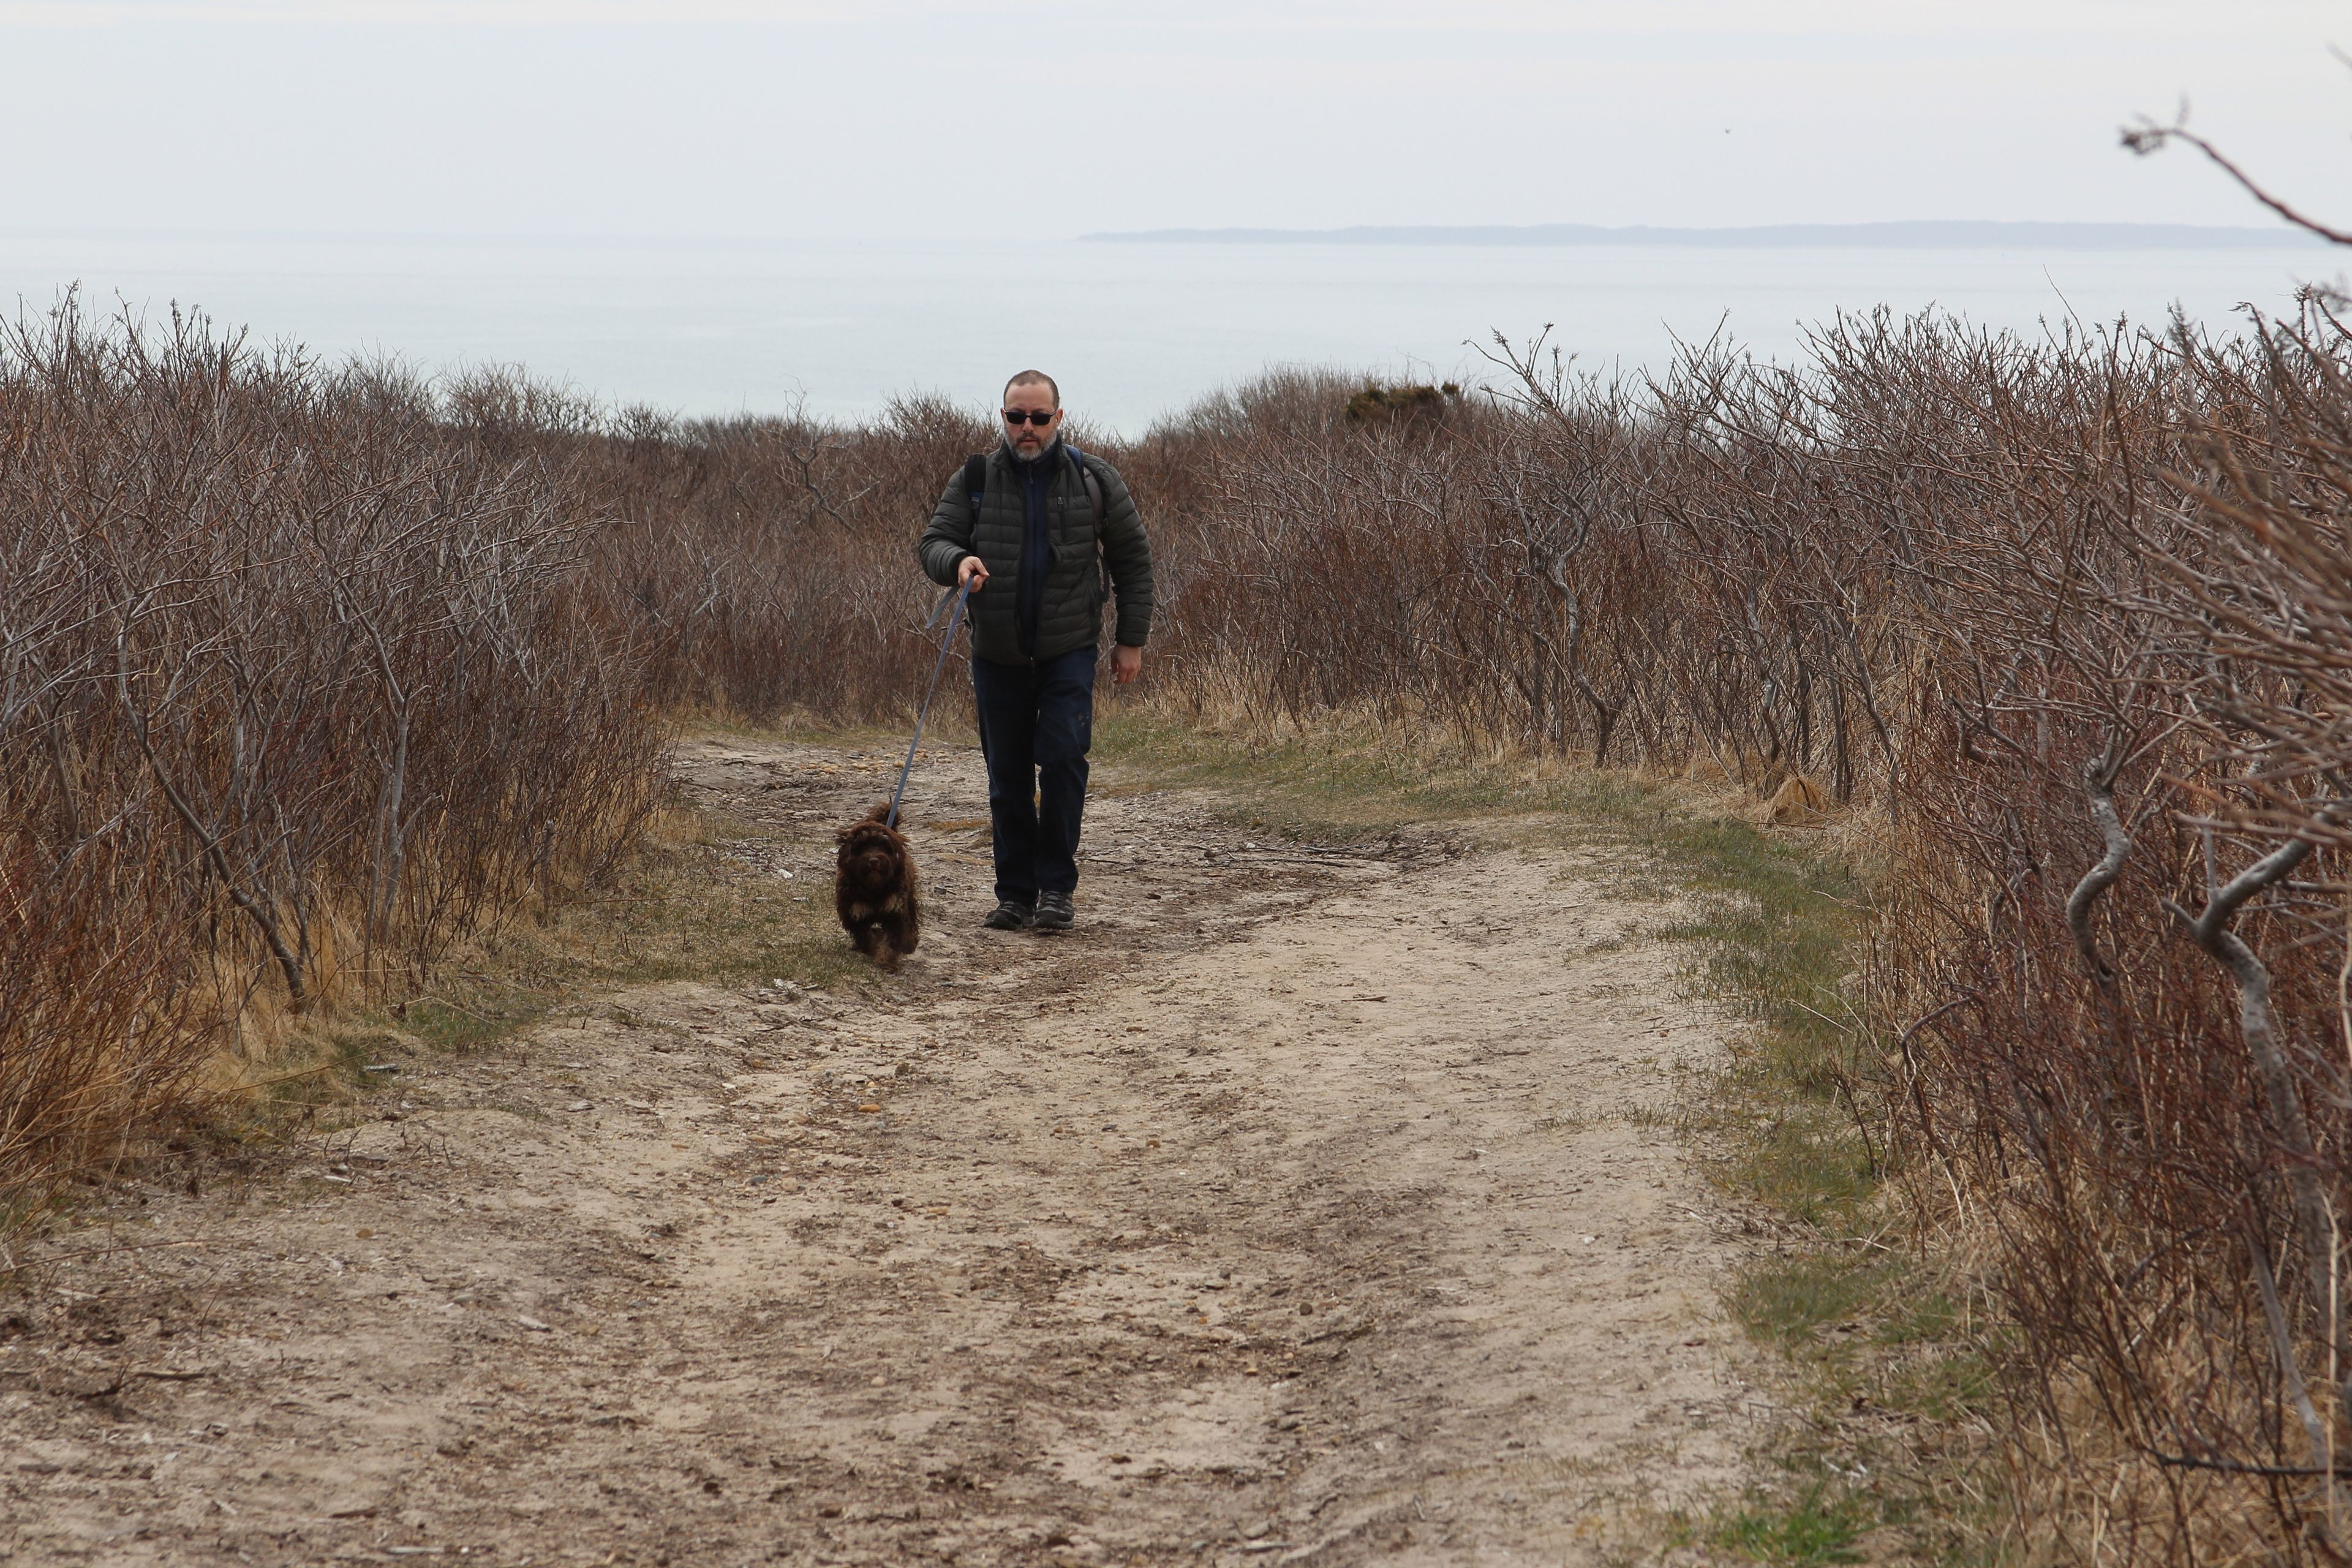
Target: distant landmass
1922, 235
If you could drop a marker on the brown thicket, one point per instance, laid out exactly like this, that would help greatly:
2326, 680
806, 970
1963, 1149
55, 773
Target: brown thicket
306, 674
297, 688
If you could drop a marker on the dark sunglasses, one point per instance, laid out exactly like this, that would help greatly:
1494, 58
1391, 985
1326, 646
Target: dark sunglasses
1014, 417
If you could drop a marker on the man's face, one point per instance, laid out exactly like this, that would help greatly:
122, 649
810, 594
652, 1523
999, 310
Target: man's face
1029, 438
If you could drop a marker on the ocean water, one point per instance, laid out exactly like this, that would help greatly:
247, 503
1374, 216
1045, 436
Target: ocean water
1132, 330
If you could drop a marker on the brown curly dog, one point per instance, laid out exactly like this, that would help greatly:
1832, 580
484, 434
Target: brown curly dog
873, 889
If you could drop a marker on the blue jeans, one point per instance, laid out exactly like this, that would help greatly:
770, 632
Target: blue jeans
1036, 721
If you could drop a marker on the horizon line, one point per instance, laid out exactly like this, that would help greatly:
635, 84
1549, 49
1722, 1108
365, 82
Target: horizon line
1897, 234
1901, 234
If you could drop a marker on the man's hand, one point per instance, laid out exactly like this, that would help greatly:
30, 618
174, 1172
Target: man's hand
1126, 663
971, 573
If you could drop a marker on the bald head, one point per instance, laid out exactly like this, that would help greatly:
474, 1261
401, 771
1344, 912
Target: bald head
1034, 378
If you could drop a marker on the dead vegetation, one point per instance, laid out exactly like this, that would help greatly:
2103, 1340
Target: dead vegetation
310, 674
296, 692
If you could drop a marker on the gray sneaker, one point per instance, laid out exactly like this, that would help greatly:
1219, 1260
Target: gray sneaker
1054, 913
1010, 914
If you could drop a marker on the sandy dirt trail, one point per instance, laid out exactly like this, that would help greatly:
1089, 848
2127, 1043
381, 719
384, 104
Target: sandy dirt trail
1301, 1207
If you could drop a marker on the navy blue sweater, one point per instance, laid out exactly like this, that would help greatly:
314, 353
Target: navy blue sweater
1036, 549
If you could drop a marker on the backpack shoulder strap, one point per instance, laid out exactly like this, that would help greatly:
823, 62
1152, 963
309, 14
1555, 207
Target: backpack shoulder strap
1093, 485
1095, 502
975, 481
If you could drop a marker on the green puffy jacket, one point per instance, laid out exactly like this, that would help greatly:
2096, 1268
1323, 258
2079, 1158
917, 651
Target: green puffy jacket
1069, 614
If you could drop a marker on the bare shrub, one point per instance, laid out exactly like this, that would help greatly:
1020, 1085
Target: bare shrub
295, 690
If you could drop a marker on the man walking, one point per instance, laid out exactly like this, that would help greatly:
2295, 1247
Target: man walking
1033, 549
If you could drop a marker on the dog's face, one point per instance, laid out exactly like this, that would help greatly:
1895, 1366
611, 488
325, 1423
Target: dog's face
873, 858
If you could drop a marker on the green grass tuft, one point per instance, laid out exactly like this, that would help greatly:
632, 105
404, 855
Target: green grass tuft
1821, 1526
1791, 1301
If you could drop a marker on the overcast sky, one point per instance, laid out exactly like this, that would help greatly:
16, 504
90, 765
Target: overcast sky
766, 118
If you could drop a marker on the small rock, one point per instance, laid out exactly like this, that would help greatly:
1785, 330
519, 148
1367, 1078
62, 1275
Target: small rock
534, 1325
579, 1105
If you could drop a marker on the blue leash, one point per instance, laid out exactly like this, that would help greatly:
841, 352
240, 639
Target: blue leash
963, 591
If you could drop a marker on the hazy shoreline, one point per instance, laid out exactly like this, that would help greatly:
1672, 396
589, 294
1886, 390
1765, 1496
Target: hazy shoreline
1926, 235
